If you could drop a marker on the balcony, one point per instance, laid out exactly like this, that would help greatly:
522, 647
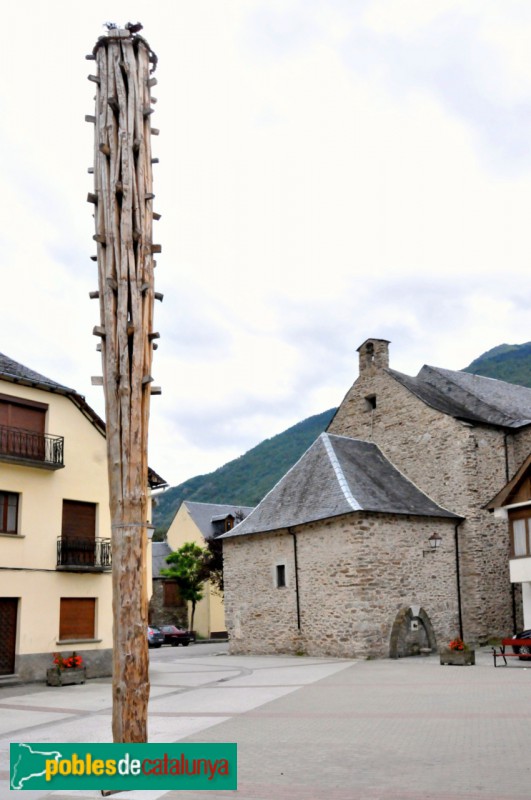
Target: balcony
84, 555
30, 449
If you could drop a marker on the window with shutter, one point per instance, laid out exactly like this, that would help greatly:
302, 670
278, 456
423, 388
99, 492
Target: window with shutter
77, 618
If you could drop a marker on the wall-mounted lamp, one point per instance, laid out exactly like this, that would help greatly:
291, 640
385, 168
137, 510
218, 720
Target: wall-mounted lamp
434, 541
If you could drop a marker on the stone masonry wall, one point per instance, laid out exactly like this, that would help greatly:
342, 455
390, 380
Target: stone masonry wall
356, 573
460, 466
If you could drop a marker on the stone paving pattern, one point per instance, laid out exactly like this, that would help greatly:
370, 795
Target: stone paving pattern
310, 728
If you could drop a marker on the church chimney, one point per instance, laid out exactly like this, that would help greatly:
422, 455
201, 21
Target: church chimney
374, 354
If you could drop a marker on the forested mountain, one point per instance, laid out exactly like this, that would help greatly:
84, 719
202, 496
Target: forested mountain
507, 362
248, 478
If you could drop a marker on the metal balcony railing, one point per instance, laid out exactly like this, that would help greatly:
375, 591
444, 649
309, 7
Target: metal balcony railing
80, 554
37, 449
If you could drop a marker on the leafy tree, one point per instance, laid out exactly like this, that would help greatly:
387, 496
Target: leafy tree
187, 568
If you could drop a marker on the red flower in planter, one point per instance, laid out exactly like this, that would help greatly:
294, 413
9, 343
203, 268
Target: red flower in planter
457, 644
71, 662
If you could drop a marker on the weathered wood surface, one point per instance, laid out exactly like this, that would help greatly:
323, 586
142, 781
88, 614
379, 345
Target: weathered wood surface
123, 219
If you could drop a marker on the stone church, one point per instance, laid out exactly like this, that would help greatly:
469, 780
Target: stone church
381, 540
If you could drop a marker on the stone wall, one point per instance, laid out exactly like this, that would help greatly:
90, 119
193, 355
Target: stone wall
356, 573
459, 465
32, 666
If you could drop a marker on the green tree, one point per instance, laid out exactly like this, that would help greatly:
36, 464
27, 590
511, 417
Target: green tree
187, 568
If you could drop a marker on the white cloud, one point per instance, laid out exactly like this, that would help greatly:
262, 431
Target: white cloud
329, 171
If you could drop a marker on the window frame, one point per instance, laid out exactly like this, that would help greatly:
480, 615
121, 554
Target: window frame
281, 579
75, 636
523, 514
4, 512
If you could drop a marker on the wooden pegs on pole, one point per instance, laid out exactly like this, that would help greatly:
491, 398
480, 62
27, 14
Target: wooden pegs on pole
154, 161
98, 330
92, 198
156, 390
156, 248
152, 82
155, 131
156, 216
97, 380
153, 335
100, 238
147, 379
90, 57
94, 79
94, 295
159, 296
90, 118
98, 347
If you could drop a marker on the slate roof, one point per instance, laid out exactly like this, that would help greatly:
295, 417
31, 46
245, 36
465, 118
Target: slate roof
14, 372
470, 397
338, 475
159, 551
17, 373
204, 514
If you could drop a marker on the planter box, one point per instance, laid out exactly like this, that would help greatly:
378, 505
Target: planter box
65, 677
457, 658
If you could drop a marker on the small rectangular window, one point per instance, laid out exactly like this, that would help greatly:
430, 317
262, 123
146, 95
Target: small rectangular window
281, 575
370, 402
8, 512
520, 537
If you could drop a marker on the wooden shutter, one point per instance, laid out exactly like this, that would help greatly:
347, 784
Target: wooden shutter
77, 618
171, 594
22, 414
79, 520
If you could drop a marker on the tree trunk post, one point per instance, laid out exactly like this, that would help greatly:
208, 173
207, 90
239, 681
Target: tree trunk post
123, 213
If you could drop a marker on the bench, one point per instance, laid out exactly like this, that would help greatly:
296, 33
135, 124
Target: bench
509, 643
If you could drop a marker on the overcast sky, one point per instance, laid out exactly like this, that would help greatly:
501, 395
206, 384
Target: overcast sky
330, 170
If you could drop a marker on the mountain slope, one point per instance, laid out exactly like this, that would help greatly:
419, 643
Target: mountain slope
248, 478
507, 362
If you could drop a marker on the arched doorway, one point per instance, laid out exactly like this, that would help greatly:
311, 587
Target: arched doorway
412, 633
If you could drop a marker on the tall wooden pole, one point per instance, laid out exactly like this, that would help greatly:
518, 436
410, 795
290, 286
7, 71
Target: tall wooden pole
123, 198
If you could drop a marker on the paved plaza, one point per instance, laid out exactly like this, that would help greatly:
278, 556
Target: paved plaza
309, 728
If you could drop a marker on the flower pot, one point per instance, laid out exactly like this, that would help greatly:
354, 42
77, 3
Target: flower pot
457, 658
65, 677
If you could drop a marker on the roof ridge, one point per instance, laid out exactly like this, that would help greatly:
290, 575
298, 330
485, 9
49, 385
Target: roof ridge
340, 475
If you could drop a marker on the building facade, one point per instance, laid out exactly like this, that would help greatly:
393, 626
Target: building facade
55, 528
198, 523
362, 572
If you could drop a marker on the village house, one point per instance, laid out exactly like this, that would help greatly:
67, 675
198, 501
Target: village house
198, 523
55, 530
345, 564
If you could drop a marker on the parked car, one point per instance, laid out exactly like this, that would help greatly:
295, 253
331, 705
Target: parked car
524, 651
175, 636
155, 636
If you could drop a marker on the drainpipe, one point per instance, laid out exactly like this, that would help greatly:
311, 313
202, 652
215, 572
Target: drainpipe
458, 576
296, 563
507, 476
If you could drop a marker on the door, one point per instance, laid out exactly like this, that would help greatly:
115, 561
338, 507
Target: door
8, 634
